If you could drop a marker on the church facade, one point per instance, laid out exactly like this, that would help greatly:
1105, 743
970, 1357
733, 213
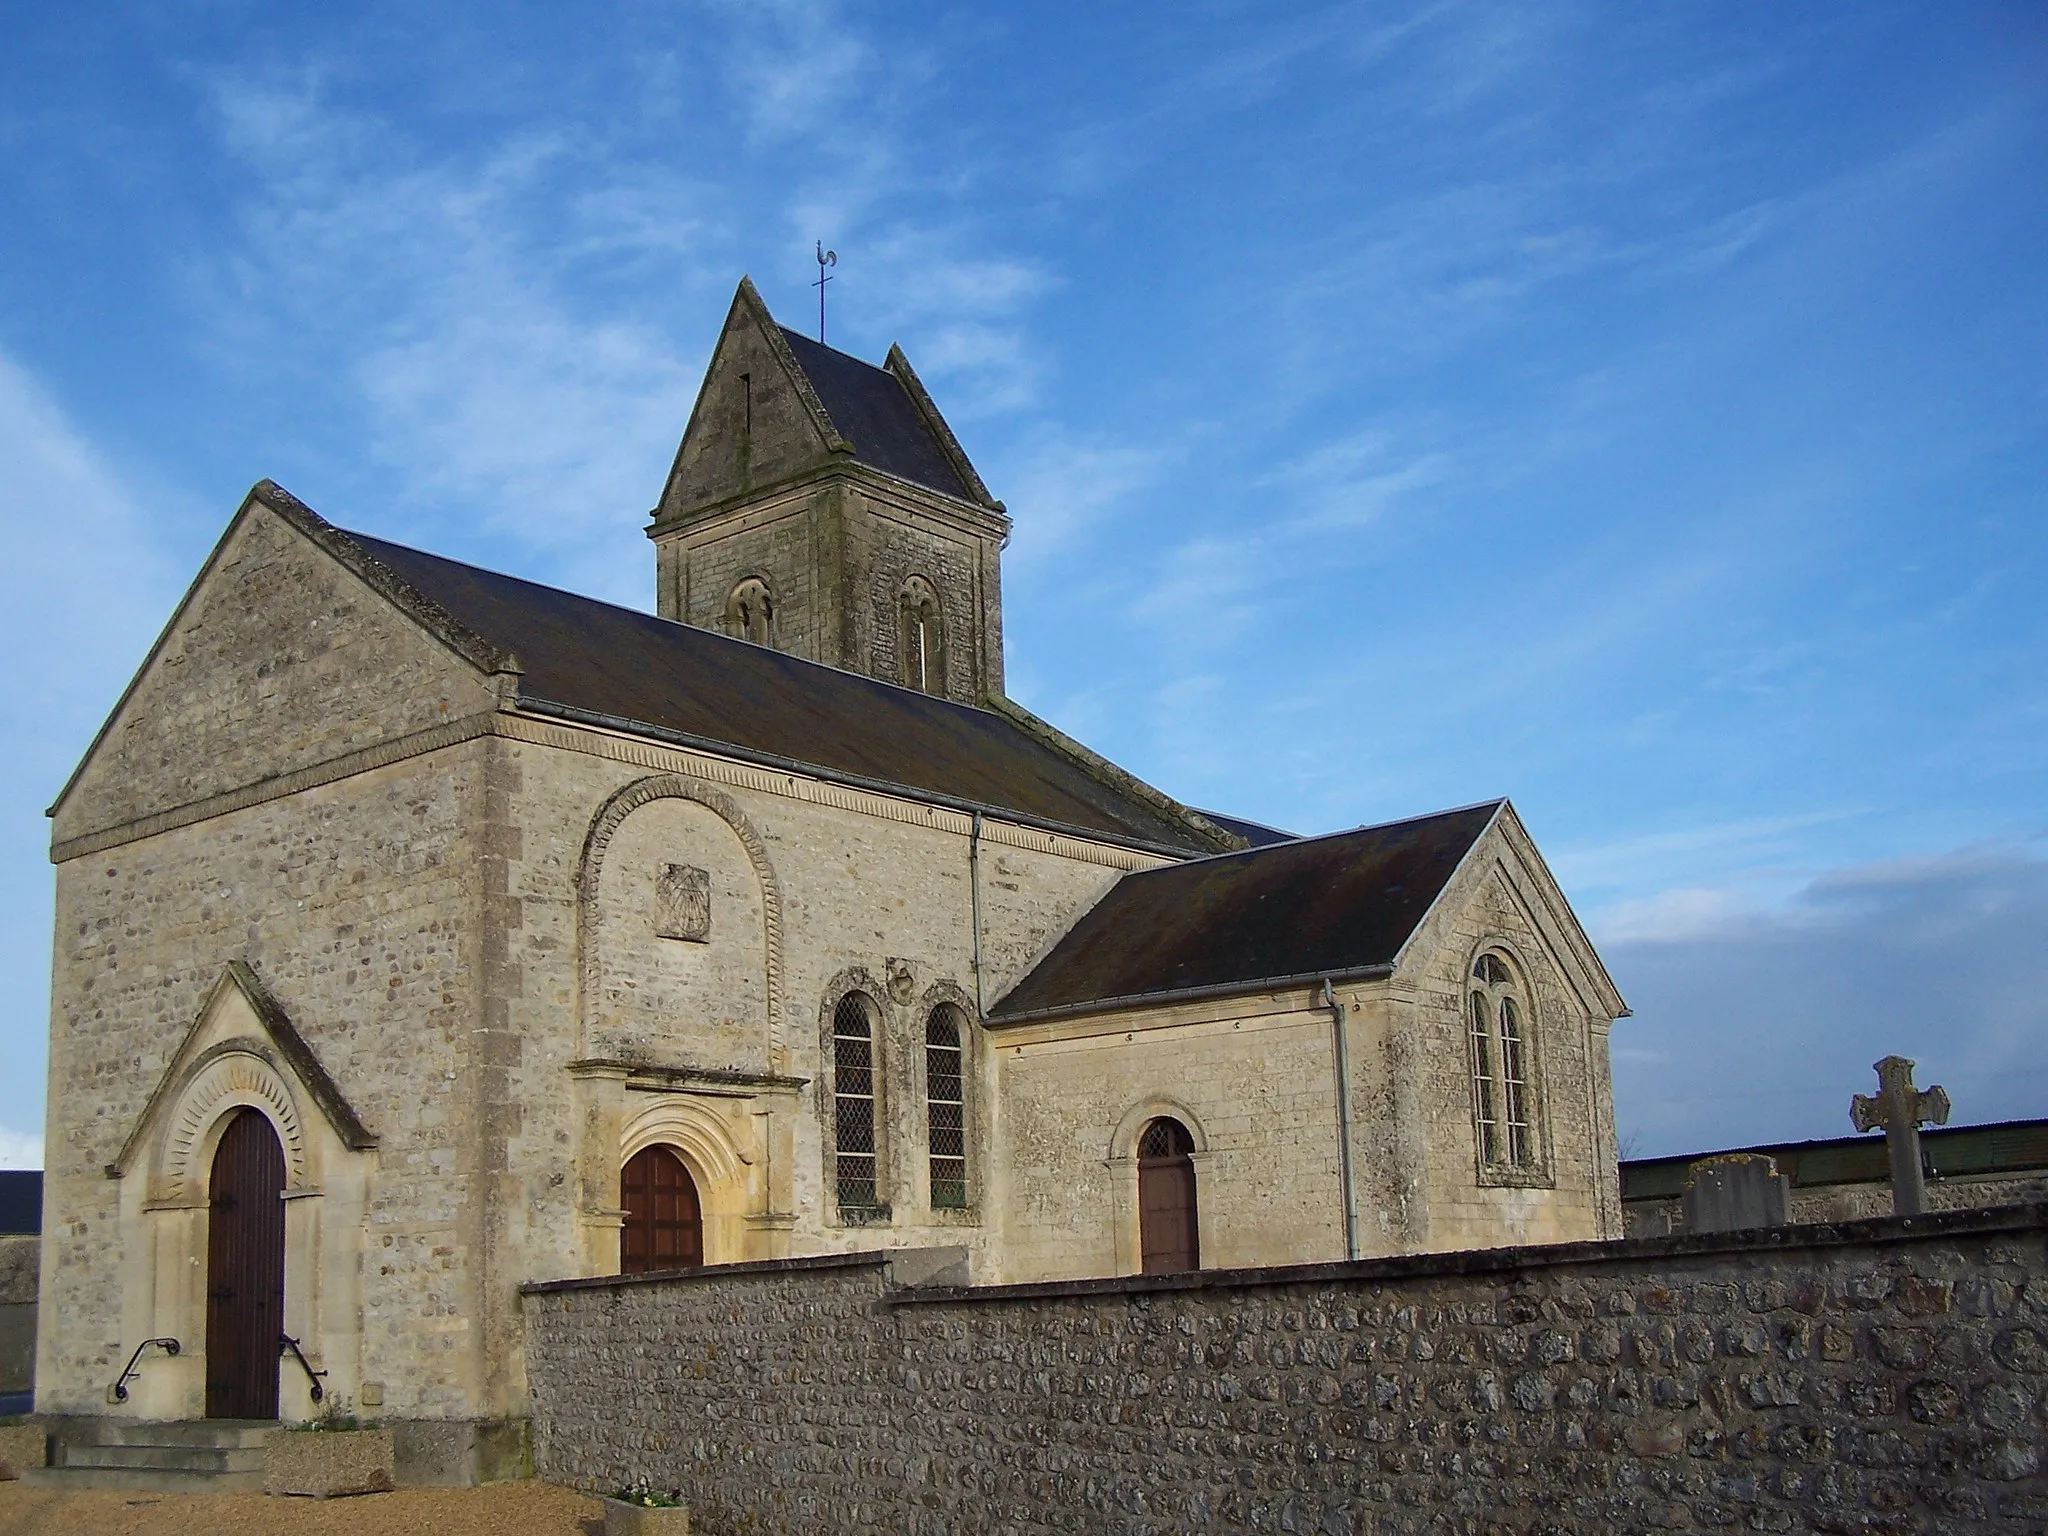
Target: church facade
422, 932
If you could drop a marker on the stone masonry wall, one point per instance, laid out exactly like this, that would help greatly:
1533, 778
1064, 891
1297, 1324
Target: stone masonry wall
18, 1266
1886, 1376
1853, 1202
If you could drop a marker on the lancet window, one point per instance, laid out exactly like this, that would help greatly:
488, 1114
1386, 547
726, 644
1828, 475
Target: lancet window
750, 612
1498, 1020
857, 1171
922, 646
945, 1098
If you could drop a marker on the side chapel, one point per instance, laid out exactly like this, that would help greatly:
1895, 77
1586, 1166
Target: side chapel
422, 931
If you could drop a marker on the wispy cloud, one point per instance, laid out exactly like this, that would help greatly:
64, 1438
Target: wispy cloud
20, 1149
1755, 1020
80, 541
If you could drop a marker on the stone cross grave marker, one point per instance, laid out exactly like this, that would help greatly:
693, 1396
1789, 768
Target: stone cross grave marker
1735, 1192
1899, 1110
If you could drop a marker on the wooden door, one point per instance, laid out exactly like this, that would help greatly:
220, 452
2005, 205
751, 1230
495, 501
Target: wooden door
664, 1226
1168, 1232
244, 1270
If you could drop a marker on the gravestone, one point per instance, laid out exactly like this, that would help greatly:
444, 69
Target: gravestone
1899, 1110
1740, 1190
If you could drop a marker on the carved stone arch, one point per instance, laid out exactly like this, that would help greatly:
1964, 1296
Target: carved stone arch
1124, 1144
694, 1130
1507, 944
233, 1074
946, 991
852, 978
589, 873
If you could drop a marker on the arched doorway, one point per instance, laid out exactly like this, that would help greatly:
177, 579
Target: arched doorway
244, 1270
1168, 1233
664, 1226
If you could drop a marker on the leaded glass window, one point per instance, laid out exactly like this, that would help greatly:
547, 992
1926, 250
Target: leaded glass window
853, 1103
945, 1107
1497, 1023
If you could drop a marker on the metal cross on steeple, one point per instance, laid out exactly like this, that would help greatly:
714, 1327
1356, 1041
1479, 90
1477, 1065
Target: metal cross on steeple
825, 259
1899, 1109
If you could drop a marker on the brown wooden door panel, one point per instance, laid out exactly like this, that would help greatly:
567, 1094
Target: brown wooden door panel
664, 1225
244, 1270
1168, 1228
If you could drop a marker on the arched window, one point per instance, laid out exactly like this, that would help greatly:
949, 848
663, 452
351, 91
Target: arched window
923, 647
1168, 1233
664, 1225
945, 1107
1497, 1019
853, 1104
750, 612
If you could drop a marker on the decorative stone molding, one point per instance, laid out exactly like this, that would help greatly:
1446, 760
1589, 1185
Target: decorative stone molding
589, 874
280, 1051
233, 1074
1123, 1146
694, 1128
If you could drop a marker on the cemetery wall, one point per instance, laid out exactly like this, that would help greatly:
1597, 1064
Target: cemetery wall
19, 1257
1881, 1376
1851, 1202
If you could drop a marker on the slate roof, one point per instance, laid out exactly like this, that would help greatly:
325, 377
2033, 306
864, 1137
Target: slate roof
588, 658
1316, 906
21, 1203
1257, 833
873, 411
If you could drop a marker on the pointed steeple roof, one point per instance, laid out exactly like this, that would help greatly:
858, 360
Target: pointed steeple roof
874, 411
775, 403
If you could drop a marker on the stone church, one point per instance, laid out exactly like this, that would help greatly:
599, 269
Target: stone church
422, 932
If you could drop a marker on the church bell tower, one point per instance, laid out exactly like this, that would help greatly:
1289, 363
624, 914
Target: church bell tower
821, 505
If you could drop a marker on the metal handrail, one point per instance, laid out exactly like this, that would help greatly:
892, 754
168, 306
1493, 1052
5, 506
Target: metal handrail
118, 1392
286, 1341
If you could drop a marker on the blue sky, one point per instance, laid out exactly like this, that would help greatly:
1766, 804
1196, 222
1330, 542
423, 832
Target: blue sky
1635, 410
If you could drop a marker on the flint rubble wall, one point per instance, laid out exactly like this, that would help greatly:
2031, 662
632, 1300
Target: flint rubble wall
1881, 1376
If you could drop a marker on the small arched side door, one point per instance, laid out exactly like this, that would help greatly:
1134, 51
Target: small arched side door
1168, 1229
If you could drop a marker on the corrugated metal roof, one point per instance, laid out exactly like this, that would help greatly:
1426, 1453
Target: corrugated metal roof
1315, 906
601, 660
1951, 1152
874, 412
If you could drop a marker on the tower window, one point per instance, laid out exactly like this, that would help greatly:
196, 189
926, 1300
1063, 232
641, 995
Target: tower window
853, 1104
945, 1097
923, 640
750, 612
1501, 1089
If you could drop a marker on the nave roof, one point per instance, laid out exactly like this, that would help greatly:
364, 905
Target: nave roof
1338, 905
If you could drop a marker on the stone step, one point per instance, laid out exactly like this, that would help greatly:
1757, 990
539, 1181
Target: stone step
210, 1434
142, 1480
173, 1458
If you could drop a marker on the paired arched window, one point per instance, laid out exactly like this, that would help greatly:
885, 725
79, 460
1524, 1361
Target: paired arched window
922, 644
664, 1225
750, 612
1168, 1231
1498, 1020
945, 1099
856, 1167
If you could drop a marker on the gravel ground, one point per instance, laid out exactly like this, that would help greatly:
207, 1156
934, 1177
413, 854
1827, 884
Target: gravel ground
501, 1509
